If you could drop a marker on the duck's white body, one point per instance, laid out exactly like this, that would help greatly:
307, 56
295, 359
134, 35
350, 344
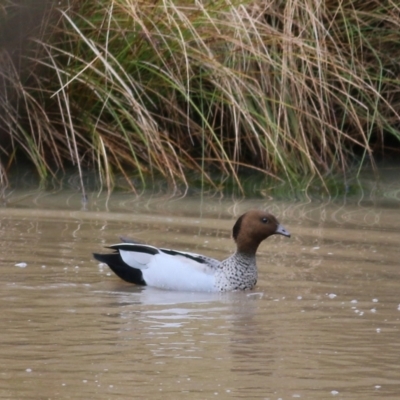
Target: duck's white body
177, 270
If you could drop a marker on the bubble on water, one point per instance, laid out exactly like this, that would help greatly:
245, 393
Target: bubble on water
21, 265
260, 295
28, 370
334, 392
316, 248
354, 301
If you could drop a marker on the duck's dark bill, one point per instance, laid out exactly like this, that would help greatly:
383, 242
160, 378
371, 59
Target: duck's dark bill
280, 230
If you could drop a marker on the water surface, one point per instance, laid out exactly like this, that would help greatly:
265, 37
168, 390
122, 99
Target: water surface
322, 323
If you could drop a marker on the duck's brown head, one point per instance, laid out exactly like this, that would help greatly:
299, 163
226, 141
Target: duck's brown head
253, 227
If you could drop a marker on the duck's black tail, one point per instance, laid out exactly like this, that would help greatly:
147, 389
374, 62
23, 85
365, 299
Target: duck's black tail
123, 270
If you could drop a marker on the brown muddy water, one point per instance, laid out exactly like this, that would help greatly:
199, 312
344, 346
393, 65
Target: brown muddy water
323, 322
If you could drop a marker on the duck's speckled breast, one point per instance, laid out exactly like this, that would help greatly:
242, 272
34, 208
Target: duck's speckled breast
238, 272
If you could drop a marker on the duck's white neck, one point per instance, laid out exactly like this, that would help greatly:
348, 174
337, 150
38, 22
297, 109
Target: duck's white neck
245, 259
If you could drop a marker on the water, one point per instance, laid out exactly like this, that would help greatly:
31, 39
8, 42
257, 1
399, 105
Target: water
323, 322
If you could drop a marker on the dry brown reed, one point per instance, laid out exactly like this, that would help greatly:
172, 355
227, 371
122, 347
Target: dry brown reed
163, 88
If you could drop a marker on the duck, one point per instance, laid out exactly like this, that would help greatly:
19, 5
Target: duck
146, 265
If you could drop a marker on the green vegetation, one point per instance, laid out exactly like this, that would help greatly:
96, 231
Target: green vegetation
145, 89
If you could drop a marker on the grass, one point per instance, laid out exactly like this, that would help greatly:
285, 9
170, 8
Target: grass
156, 89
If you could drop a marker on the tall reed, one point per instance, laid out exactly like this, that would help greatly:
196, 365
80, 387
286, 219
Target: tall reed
164, 88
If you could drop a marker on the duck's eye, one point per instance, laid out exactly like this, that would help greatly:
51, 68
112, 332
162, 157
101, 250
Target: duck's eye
264, 220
